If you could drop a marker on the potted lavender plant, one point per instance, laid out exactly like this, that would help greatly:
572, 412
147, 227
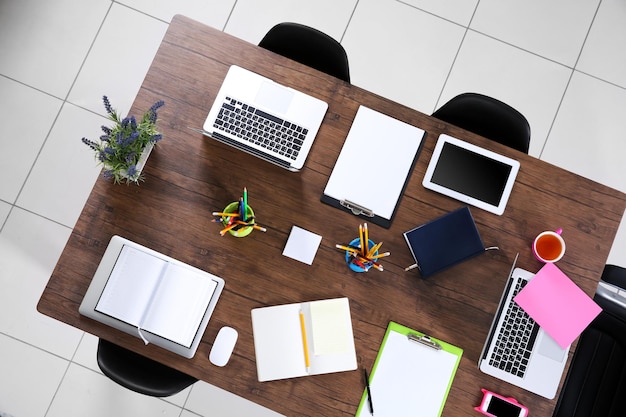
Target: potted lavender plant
125, 146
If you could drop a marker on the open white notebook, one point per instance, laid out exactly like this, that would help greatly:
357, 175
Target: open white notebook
152, 296
281, 337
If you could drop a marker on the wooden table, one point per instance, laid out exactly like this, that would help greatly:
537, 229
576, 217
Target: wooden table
188, 176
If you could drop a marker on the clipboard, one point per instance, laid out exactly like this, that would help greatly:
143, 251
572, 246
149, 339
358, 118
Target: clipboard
412, 374
374, 166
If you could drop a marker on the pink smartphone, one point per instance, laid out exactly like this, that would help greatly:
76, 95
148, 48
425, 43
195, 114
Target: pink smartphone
496, 405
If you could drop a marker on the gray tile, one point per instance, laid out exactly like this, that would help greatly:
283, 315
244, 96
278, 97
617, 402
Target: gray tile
587, 136
397, 57
617, 256
43, 44
553, 29
603, 55
458, 11
251, 19
66, 169
118, 60
29, 249
531, 84
5, 208
84, 392
208, 400
31, 114
210, 12
30, 378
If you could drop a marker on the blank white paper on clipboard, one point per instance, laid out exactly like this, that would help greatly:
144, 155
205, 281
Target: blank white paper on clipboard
410, 378
374, 164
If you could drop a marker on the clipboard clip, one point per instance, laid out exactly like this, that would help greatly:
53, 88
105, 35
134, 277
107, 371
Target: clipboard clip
424, 340
356, 209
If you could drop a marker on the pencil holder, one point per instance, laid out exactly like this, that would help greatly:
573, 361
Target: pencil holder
353, 262
239, 230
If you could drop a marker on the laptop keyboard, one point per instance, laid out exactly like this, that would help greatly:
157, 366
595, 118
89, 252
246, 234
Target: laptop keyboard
256, 126
517, 337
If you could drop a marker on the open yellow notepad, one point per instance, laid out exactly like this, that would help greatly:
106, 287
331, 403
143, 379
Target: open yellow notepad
280, 339
412, 374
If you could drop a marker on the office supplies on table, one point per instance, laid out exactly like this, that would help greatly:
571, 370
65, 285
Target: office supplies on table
559, 306
310, 338
263, 118
238, 218
496, 405
223, 346
152, 296
471, 174
412, 374
302, 245
374, 166
537, 361
362, 252
444, 242
368, 389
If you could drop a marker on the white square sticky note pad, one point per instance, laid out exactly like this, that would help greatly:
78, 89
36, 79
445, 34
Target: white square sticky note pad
302, 245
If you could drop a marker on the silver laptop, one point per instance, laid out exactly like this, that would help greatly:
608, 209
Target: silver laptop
517, 350
259, 116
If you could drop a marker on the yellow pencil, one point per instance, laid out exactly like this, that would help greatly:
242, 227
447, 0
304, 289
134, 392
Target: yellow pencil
219, 213
304, 342
373, 250
361, 237
366, 238
380, 255
227, 228
257, 227
347, 248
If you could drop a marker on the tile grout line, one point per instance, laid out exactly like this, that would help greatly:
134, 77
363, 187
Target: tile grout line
56, 118
569, 81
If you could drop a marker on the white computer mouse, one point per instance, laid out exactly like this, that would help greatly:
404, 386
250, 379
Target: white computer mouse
223, 346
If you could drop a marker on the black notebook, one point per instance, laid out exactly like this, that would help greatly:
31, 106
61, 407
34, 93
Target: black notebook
444, 242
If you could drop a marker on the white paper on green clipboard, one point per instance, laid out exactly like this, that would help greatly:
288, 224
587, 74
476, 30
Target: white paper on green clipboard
410, 378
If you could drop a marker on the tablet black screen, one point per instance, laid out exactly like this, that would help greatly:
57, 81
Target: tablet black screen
472, 174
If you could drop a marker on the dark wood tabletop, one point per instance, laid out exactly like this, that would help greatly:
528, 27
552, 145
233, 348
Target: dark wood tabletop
188, 176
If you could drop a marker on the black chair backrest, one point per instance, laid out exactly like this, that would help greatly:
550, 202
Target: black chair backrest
138, 373
596, 381
487, 117
308, 46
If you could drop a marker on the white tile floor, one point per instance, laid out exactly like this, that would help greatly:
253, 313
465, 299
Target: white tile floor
561, 63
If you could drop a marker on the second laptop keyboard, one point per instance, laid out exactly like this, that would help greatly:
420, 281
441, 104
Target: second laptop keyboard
263, 129
514, 344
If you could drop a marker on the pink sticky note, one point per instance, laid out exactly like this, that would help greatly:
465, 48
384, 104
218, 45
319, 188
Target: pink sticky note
559, 306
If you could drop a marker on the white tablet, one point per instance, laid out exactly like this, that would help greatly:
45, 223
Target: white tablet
152, 296
471, 174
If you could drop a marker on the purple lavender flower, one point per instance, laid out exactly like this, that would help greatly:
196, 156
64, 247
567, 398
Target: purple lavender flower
93, 145
130, 158
108, 174
107, 105
106, 130
154, 109
156, 138
132, 170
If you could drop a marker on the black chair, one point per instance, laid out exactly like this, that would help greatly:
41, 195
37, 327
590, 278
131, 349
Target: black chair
487, 117
138, 373
595, 385
308, 46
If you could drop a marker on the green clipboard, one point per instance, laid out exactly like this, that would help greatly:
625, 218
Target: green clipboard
412, 374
